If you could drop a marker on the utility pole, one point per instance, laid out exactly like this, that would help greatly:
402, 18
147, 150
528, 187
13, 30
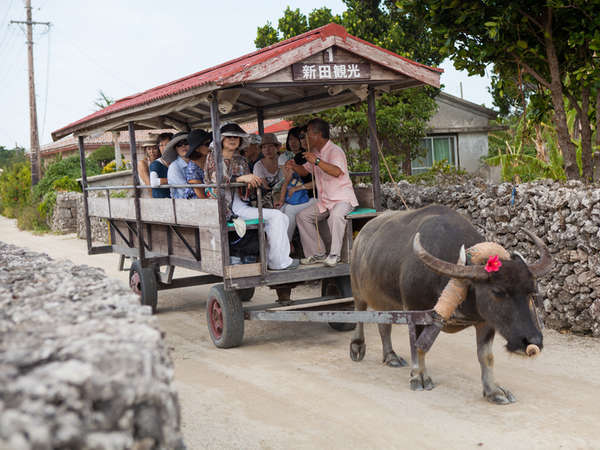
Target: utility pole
33, 125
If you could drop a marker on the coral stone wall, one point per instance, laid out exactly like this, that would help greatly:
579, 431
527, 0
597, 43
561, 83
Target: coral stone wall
82, 364
565, 215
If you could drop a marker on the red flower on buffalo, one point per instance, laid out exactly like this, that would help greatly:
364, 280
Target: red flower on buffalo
493, 264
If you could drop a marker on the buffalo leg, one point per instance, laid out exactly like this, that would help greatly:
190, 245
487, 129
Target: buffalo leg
389, 356
357, 344
491, 391
419, 379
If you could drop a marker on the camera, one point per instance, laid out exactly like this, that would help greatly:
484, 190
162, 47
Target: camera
299, 159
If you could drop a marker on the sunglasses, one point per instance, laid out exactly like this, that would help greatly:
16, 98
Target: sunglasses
181, 143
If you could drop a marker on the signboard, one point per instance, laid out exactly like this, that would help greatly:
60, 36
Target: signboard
331, 71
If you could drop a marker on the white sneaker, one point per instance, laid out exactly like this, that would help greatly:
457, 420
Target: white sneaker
314, 259
332, 260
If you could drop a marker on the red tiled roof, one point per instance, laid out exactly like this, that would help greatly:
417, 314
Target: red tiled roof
220, 73
70, 142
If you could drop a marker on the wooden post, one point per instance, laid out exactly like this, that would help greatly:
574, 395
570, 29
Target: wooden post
216, 129
374, 149
136, 198
260, 120
262, 252
84, 185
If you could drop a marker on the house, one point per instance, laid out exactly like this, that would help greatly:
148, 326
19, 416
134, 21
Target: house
458, 133
68, 146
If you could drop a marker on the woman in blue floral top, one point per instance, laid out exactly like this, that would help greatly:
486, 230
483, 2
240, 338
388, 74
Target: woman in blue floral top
194, 172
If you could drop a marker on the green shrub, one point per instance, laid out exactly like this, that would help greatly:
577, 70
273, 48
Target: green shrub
65, 167
46, 206
66, 183
30, 218
102, 156
15, 192
439, 169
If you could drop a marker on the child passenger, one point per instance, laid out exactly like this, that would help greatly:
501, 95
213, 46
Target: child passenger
235, 169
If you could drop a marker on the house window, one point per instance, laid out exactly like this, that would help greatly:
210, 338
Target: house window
438, 149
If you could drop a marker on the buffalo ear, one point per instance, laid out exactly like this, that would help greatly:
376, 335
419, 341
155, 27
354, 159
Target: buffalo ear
517, 256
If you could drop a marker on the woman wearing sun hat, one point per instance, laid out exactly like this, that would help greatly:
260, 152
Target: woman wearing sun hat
235, 169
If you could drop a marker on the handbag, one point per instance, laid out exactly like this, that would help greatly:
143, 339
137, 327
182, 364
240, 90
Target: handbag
298, 197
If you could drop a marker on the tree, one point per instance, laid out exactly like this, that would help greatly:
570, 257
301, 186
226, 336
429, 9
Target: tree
103, 100
550, 43
401, 118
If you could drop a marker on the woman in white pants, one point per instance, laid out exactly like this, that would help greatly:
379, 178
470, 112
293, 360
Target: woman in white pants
276, 225
235, 169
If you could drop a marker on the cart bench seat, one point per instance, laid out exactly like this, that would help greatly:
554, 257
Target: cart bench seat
362, 213
248, 222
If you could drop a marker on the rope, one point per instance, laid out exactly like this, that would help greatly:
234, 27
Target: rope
390, 174
316, 203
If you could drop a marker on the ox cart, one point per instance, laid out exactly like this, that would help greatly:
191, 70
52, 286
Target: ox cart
320, 69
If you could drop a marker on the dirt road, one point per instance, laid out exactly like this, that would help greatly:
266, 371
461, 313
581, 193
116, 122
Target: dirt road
294, 385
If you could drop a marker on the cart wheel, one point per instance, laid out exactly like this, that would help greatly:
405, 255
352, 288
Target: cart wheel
343, 288
142, 282
245, 295
224, 317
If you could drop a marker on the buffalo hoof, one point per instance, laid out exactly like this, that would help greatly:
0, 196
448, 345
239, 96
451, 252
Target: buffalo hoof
357, 350
421, 383
500, 396
393, 360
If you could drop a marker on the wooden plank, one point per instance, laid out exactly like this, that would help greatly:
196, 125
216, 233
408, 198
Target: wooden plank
243, 270
211, 262
157, 210
210, 250
122, 208
197, 212
410, 69
335, 301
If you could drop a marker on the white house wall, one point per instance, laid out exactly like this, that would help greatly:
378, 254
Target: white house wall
471, 148
451, 115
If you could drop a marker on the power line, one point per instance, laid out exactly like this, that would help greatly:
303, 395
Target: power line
7, 11
99, 65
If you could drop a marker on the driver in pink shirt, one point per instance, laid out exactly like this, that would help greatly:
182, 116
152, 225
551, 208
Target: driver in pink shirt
327, 162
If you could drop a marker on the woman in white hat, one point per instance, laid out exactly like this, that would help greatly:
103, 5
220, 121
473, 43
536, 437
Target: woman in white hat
235, 169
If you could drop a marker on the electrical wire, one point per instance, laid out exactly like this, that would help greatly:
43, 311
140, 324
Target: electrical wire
97, 64
7, 11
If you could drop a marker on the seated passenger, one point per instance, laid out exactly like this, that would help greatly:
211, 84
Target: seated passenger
268, 169
327, 162
199, 141
176, 172
159, 168
236, 170
287, 154
297, 191
151, 153
252, 151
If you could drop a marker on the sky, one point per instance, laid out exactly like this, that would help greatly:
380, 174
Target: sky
125, 47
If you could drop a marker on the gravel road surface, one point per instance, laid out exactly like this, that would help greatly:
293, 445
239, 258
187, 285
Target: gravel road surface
294, 385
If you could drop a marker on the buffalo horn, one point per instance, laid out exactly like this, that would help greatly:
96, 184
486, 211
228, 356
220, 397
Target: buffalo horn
543, 266
446, 268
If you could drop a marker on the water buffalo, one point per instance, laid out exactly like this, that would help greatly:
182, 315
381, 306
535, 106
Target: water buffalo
391, 270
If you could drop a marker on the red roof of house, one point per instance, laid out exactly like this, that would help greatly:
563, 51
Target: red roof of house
220, 74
